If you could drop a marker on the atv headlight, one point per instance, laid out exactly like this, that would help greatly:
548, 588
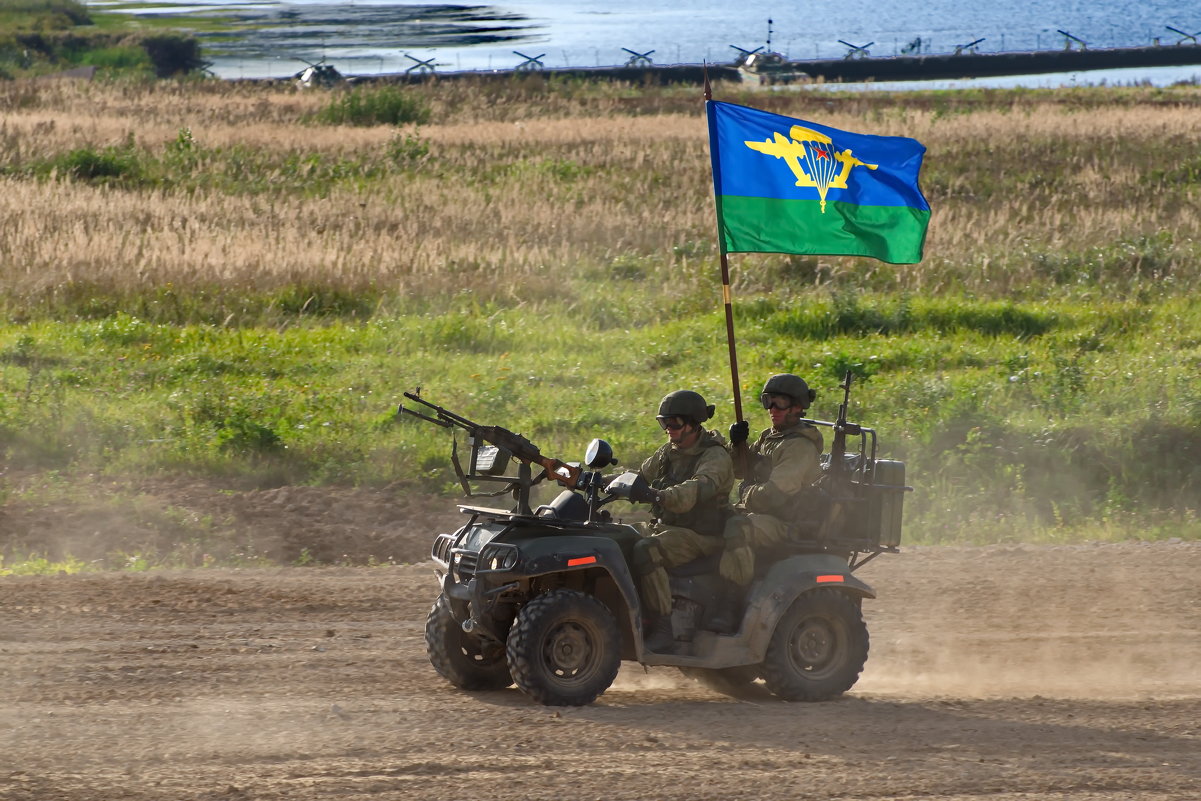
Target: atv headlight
500, 556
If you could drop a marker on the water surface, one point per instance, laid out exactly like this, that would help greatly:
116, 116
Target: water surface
367, 37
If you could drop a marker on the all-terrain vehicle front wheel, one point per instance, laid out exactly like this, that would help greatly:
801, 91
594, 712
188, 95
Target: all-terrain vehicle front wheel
465, 661
564, 648
818, 649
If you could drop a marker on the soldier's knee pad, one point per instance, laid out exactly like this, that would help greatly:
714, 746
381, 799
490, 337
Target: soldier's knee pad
647, 556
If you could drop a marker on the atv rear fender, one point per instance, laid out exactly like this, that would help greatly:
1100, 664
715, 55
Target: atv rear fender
768, 600
786, 581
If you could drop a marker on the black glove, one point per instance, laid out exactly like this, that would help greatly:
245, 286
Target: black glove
644, 493
740, 432
633, 487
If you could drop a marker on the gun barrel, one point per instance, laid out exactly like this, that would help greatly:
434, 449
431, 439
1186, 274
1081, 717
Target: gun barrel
448, 416
402, 410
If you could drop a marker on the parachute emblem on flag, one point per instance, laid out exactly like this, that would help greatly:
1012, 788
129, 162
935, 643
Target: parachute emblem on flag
812, 158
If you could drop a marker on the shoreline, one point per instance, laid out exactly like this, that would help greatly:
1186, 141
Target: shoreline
861, 70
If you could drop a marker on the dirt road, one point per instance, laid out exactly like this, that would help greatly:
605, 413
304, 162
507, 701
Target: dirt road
1012, 673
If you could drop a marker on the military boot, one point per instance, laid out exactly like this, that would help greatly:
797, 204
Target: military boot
727, 614
658, 635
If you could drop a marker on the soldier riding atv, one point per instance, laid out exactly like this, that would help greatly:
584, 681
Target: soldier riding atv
546, 599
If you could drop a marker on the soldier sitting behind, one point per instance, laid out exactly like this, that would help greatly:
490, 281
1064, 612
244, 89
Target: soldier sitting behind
783, 462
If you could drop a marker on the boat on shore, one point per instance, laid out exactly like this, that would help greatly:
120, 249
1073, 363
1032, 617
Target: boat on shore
769, 69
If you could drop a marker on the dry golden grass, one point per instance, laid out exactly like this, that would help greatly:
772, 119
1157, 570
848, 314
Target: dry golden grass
524, 186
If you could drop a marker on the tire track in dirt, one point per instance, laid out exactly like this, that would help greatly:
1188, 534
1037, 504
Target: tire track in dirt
1015, 672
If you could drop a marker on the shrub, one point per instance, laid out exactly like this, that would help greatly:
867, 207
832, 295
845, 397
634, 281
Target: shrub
247, 437
387, 105
112, 164
407, 149
44, 14
117, 58
172, 54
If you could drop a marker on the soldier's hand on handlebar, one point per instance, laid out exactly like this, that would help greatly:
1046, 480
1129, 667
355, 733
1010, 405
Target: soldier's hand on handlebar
633, 487
740, 432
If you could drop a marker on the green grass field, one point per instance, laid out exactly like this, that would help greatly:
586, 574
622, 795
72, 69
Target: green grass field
1018, 421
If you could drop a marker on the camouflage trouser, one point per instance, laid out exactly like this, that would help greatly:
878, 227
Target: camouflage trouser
663, 547
744, 534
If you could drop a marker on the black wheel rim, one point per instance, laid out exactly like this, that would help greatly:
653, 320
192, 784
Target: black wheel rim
569, 652
473, 649
817, 647
482, 655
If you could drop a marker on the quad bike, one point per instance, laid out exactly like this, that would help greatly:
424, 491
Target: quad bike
545, 598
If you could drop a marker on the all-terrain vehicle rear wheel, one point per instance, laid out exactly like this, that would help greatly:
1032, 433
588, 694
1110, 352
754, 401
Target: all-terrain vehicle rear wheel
465, 661
818, 649
564, 648
727, 681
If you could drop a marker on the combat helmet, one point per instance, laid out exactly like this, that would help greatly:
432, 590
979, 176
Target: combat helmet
686, 404
791, 385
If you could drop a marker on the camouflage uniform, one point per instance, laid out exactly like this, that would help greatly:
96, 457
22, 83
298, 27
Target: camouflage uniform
782, 463
694, 485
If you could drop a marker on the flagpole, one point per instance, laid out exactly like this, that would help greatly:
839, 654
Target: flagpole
740, 450
725, 292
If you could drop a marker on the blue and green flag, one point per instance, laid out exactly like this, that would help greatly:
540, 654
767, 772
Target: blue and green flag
789, 186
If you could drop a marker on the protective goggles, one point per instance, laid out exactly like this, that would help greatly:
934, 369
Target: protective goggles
671, 423
774, 401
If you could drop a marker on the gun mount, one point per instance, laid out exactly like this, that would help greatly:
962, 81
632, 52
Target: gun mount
492, 450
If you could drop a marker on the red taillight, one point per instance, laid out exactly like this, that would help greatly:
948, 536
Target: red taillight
581, 560
830, 579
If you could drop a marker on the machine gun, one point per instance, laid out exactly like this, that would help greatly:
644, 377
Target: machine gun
839, 483
864, 493
839, 469
492, 449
